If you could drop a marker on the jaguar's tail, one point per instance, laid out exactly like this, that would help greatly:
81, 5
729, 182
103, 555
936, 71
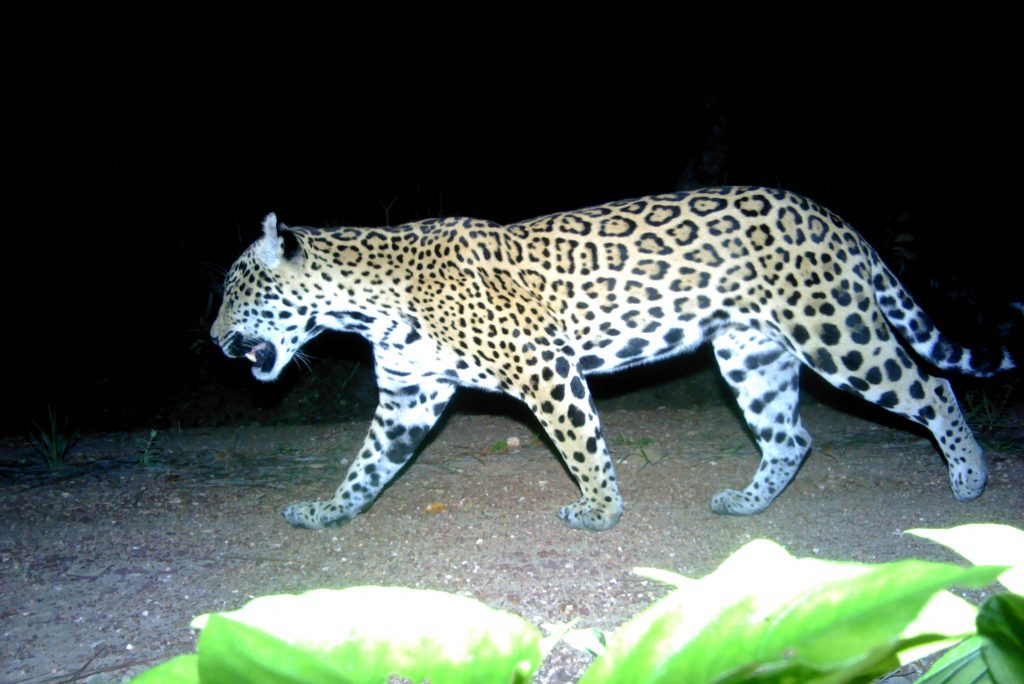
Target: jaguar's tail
917, 328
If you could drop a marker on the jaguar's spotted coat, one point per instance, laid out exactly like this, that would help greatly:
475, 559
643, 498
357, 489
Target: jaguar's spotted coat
771, 279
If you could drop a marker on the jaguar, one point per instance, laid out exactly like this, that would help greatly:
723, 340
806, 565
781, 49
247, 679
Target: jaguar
774, 281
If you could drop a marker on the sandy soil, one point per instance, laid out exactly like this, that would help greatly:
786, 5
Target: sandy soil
104, 564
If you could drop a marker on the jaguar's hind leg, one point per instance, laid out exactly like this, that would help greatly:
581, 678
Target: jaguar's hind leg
765, 379
884, 374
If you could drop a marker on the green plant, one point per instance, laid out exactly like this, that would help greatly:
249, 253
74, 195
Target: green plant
148, 451
361, 634
996, 653
498, 446
626, 442
763, 616
984, 408
52, 442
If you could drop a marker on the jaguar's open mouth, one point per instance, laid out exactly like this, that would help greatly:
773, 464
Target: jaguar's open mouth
263, 356
261, 353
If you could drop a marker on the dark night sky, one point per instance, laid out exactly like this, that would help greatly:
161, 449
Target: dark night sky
125, 207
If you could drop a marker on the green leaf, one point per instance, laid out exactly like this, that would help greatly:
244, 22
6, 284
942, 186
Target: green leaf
985, 544
1001, 623
230, 651
962, 664
181, 670
765, 613
946, 613
364, 634
795, 672
993, 658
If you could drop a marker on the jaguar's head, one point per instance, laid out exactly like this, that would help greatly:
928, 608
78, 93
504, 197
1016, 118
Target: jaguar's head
262, 317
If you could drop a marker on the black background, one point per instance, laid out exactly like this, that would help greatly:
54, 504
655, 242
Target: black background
131, 194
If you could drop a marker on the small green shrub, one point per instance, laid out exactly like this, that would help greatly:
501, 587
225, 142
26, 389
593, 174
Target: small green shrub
985, 408
52, 442
149, 450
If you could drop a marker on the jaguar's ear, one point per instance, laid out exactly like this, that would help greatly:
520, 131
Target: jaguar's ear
270, 247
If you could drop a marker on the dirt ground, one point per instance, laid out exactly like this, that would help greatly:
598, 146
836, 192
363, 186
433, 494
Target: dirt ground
104, 564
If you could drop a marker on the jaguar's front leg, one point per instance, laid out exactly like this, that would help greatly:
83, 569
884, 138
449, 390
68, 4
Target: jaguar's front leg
564, 407
406, 412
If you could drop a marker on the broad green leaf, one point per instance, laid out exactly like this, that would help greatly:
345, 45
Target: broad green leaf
985, 544
1001, 624
794, 672
946, 613
230, 651
852, 625
962, 664
760, 568
991, 657
764, 609
181, 670
366, 633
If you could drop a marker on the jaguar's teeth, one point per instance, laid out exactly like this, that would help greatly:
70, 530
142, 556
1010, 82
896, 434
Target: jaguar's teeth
251, 354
